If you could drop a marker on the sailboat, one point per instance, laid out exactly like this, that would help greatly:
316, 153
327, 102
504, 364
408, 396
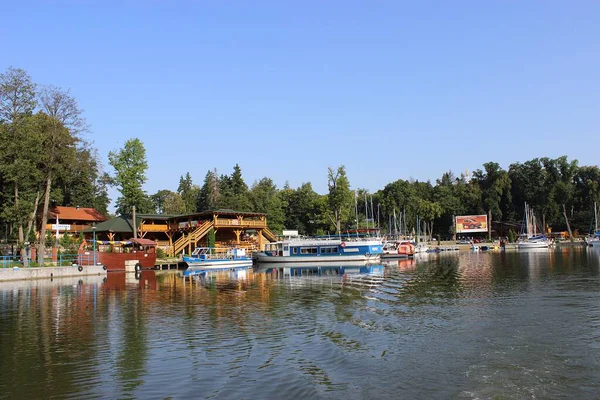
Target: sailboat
530, 239
594, 239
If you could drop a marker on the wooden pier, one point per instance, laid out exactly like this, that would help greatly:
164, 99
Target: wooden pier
169, 263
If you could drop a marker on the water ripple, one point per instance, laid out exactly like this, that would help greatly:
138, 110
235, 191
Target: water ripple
488, 325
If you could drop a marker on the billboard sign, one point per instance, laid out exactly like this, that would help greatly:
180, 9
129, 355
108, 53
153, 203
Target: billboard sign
471, 223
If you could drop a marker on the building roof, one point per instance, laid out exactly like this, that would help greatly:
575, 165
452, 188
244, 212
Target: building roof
156, 217
76, 213
115, 225
222, 211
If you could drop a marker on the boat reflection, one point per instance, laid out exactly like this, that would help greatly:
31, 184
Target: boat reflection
402, 265
288, 270
121, 280
350, 273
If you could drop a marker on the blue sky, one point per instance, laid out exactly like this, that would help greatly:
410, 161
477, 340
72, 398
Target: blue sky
390, 89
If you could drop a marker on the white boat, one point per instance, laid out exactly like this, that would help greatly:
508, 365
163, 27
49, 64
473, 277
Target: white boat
294, 250
529, 238
421, 248
398, 249
539, 242
204, 258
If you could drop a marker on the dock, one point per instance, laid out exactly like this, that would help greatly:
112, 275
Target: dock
169, 263
18, 273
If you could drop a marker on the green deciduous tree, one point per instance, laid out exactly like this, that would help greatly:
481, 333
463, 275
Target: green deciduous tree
339, 197
17, 103
264, 198
158, 200
57, 156
174, 204
130, 167
60, 125
495, 187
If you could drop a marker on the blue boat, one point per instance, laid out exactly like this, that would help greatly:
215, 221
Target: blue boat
204, 258
294, 250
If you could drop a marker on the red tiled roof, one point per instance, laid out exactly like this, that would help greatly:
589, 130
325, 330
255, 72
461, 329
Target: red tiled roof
76, 214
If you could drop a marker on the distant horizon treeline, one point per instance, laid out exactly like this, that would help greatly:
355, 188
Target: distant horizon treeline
559, 190
45, 161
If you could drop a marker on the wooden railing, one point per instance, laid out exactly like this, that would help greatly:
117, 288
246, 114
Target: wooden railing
192, 237
153, 228
269, 235
243, 224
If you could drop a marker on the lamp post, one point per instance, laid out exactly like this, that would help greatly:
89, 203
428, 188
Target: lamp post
94, 230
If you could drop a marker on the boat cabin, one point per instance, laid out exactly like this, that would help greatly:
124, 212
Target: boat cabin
286, 249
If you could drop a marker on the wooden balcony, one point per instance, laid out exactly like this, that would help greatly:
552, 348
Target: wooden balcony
154, 228
243, 224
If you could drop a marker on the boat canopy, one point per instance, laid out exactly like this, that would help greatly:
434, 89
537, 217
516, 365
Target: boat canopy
142, 242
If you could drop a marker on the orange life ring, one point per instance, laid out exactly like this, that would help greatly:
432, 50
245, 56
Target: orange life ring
343, 245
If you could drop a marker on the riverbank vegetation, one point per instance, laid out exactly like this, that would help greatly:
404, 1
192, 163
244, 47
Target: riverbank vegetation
44, 157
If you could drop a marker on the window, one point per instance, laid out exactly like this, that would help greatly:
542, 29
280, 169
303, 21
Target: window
329, 250
308, 250
295, 250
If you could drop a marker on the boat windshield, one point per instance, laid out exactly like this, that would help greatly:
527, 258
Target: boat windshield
200, 250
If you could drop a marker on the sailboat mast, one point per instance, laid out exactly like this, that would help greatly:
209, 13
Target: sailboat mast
356, 210
372, 213
527, 222
595, 217
367, 211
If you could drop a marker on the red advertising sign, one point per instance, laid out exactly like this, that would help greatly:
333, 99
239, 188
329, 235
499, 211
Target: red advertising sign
471, 223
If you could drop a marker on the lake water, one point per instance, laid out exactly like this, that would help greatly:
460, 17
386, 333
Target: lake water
512, 325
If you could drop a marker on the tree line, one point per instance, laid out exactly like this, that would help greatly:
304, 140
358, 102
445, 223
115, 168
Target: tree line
45, 159
561, 192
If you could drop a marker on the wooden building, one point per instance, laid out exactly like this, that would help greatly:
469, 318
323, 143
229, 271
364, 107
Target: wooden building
176, 234
72, 220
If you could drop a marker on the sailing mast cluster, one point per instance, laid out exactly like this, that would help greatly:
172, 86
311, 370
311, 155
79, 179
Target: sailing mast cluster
529, 238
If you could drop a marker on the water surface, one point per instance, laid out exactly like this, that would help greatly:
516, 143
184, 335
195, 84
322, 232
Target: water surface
489, 325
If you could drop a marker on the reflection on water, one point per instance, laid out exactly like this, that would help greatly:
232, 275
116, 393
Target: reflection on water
475, 325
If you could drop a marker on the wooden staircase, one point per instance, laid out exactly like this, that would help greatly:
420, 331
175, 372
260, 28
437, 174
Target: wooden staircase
192, 237
269, 235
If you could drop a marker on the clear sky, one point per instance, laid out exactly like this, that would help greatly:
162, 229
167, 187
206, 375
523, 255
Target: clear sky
390, 89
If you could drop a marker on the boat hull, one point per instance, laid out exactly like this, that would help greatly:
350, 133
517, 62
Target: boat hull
533, 245
265, 258
396, 256
217, 264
